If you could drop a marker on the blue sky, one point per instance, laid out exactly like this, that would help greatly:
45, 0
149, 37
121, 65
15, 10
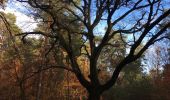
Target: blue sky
26, 23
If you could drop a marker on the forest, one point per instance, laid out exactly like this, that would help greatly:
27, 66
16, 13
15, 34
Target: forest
84, 50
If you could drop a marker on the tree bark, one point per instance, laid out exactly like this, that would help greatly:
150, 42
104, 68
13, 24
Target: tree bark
94, 95
22, 93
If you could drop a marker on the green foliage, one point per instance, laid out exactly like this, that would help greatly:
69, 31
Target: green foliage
11, 18
110, 56
137, 90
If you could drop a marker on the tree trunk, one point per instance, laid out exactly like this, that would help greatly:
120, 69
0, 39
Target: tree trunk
39, 86
22, 96
22, 93
94, 95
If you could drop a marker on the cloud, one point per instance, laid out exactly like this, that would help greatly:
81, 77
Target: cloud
24, 22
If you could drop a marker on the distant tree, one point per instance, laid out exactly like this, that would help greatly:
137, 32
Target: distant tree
18, 61
158, 56
130, 84
166, 81
7, 22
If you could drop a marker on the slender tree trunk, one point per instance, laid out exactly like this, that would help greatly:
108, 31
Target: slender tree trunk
39, 86
22, 95
22, 92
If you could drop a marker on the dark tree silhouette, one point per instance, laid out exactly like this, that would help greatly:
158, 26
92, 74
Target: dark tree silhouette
132, 18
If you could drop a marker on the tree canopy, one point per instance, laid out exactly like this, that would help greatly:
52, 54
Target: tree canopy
139, 19
110, 35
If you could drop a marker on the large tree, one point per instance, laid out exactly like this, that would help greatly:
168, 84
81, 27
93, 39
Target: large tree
137, 19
